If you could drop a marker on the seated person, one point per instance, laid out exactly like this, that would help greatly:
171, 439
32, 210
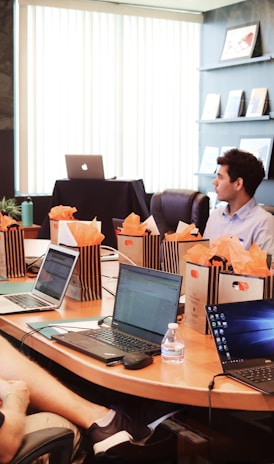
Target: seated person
24, 383
238, 177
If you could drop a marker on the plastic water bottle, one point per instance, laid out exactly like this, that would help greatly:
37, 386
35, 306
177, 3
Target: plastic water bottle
172, 346
27, 213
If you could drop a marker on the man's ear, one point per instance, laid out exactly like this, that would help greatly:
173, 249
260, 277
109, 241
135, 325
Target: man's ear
239, 183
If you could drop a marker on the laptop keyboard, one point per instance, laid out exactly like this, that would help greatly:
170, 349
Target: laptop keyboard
26, 301
258, 374
122, 341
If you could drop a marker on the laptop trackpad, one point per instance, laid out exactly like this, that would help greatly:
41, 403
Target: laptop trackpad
95, 348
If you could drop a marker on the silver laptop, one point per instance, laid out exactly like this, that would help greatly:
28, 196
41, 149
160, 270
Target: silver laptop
146, 301
244, 336
85, 166
50, 284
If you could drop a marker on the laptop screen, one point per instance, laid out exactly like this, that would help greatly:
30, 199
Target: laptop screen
55, 271
242, 331
146, 301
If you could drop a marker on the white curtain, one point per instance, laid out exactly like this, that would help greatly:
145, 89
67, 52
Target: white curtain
123, 86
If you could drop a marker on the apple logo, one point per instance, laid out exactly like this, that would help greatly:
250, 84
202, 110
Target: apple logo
84, 167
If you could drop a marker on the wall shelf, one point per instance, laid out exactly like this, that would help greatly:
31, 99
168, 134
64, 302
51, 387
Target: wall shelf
266, 117
229, 64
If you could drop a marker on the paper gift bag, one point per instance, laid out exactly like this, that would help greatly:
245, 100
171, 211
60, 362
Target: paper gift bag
173, 253
201, 289
86, 281
54, 230
12, 255
60, 233
238, 287
142, 250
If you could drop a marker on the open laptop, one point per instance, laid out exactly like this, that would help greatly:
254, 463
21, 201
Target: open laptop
50, 284
244, 336
146, 301
85, 166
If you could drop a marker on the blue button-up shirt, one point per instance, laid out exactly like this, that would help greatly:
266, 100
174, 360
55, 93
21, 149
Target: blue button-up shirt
251, 224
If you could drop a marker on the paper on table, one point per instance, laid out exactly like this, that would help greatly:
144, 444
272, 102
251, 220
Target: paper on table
49, 328
74, 326
8, 287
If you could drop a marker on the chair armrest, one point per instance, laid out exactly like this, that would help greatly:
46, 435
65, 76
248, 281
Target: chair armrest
57, 441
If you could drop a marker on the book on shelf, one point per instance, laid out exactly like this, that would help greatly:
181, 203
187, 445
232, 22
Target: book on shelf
209, 160
235, 104
212, 106
258, 102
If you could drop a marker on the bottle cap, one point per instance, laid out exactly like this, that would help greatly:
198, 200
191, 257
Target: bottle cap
173, 325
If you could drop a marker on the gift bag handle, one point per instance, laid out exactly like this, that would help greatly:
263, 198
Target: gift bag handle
220, 259
13, 226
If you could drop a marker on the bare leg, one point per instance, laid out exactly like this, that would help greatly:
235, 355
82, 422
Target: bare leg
46, 392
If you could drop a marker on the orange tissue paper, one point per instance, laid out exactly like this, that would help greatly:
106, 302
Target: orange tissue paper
6, 222
62, 213
246, 262
189, 233
85, 234
133, 226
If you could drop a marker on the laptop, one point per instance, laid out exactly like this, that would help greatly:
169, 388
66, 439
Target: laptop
50, 284
244, 337
85, 166
146, 301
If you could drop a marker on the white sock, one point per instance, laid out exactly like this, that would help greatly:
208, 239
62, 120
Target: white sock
106, 420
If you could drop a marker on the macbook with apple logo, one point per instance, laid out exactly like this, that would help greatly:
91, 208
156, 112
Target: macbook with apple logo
85, 166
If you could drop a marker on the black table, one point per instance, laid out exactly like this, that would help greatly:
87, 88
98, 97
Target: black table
104, 199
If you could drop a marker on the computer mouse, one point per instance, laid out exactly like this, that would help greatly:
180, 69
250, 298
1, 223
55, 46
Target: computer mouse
137, 360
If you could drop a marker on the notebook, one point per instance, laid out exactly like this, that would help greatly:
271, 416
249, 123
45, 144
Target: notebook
244, 336
146, 301
50, 284
85, 166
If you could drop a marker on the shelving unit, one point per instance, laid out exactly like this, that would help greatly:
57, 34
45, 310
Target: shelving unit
220, 78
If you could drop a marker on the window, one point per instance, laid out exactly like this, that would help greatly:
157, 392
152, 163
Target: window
123, 86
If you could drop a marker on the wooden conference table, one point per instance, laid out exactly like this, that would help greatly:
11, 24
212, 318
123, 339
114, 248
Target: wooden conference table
186, 384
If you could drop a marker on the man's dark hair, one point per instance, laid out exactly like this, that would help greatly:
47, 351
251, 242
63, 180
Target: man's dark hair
245, 165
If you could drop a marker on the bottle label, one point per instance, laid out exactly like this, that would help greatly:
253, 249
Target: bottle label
172, 351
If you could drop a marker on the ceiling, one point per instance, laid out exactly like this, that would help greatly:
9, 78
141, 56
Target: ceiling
185, 5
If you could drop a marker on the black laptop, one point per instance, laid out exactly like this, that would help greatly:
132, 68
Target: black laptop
146, 301
244, 336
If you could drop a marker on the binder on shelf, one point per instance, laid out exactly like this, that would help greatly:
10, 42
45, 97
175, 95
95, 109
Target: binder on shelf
209, 160
235, 104
212, 106
258, 103
261, 147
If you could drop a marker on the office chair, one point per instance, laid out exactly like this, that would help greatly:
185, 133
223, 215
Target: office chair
174, 205
55, 441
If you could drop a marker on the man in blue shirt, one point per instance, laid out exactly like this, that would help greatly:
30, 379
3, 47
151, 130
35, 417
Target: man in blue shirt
238, 177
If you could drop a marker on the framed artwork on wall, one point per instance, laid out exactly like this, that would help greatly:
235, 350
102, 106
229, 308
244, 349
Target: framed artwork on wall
242, 42
261, 147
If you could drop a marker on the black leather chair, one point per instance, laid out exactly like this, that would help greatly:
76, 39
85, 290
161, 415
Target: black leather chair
174, 205
55, 441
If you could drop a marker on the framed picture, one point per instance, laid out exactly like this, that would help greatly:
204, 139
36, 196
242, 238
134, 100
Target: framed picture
261, 147
240, 42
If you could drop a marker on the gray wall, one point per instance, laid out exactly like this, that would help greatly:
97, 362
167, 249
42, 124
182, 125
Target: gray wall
244, 77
